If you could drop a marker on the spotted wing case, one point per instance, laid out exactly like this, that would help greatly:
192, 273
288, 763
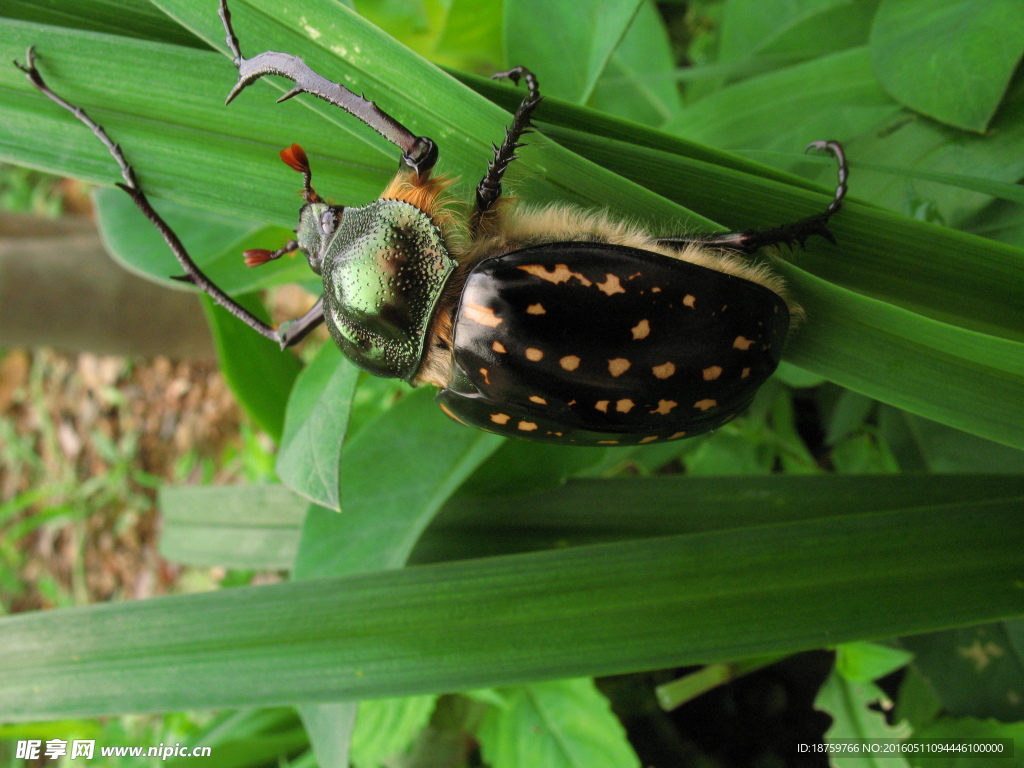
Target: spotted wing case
599, 344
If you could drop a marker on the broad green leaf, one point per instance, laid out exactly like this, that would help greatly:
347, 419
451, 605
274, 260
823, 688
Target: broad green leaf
386, 727
561, 724
864, 662
238, 526
835, 96
214, 241
316, 420
584, 611
944, 449
208, 529
567, 44
259, 374
783, 30
853, 707
396, 474
915, 363
136, 18
639, 82
975, 671
330, 728
520, 467
465, 34
950, 60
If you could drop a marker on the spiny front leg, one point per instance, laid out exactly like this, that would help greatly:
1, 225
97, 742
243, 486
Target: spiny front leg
418, 152
489, 189
192, 274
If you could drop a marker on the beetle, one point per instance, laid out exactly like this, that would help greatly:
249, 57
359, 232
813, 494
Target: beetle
554, 324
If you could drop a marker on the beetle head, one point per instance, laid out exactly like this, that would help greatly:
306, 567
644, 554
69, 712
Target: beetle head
318, 220
318, 224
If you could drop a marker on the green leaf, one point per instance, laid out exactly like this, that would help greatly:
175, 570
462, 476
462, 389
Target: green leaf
786, 31
330, 728
639, 82
259, 374
576, 43
309, 460
915, 363
912, 45
582, 511
137, 18
588, 610
397, 473
561, 724
386, 727
864, 662
851, 706
976, 671
252, 527
214, 241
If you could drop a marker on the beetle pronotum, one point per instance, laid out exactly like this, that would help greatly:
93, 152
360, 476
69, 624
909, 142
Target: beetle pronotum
553, 324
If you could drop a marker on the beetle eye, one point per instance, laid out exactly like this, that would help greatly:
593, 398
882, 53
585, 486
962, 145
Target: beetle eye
328, 221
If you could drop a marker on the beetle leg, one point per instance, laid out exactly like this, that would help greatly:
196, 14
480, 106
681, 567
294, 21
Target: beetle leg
293, 331
489, 189
418, 152
788, 234
193, 274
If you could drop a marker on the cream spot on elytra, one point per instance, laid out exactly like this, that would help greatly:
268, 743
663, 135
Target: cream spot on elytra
611, 285
618, 366
483, 315
560, 274
663, 371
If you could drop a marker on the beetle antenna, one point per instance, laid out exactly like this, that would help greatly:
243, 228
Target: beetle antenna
193, 274
295, 157
256, 257
418, 152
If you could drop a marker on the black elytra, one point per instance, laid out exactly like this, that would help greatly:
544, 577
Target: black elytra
600, 344
580, 338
